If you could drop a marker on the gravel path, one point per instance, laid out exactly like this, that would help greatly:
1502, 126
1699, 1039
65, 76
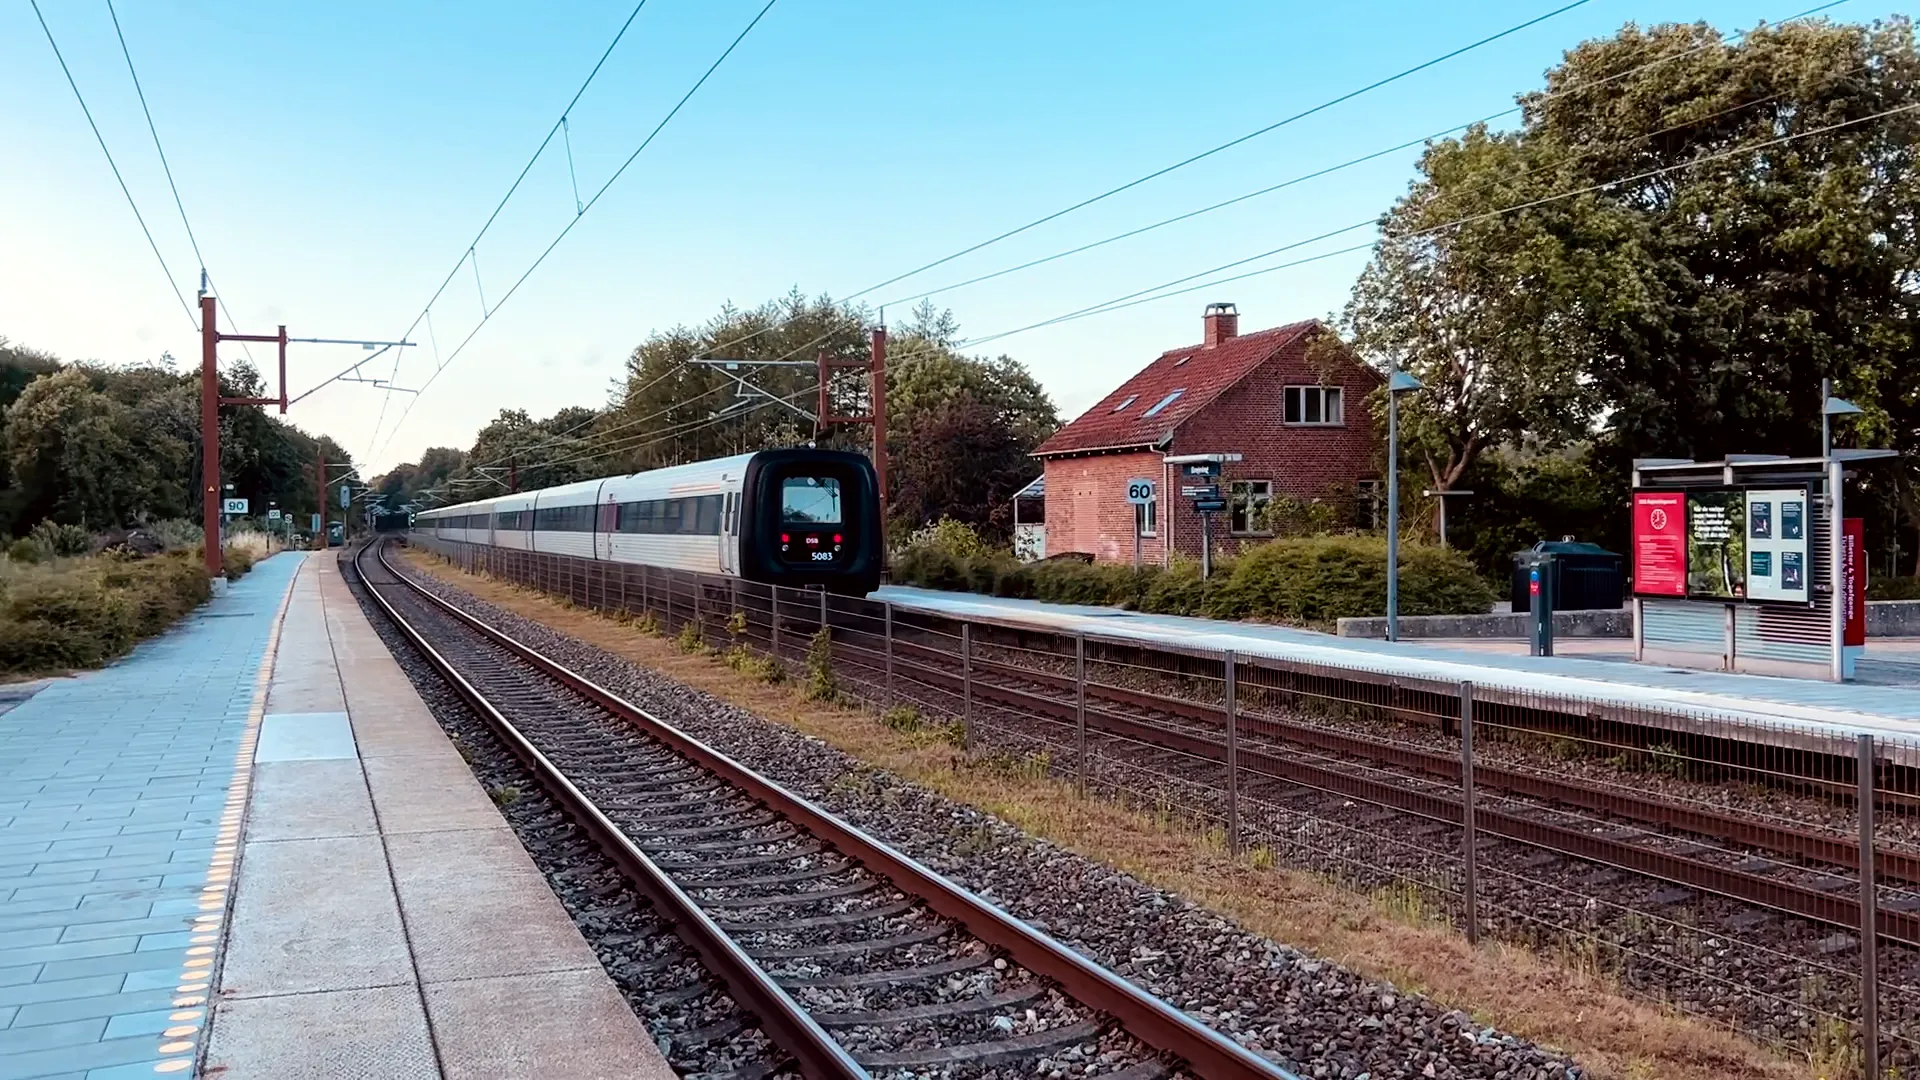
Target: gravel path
1309, 1014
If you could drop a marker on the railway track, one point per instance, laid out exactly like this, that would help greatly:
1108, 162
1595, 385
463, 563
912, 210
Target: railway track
1793, 871
849, 956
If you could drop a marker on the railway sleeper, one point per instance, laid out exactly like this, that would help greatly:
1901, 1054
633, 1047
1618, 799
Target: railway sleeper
865, 946
843, 918
1016, 1048
940, 1010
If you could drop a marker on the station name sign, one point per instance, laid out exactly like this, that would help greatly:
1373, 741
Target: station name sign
1724, 544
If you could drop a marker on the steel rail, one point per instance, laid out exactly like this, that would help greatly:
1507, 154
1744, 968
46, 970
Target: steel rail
1842, 852
1142, 1015
782, 1018
1781, 896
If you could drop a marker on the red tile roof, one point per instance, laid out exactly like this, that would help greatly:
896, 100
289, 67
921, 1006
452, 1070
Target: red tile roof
1202, 373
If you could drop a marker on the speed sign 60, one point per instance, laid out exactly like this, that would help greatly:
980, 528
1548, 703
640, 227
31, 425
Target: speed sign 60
1139, 491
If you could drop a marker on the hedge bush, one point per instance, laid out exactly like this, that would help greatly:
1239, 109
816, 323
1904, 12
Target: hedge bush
1310, 580
83, 612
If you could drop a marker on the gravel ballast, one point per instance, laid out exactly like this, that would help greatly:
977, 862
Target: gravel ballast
1309, 1014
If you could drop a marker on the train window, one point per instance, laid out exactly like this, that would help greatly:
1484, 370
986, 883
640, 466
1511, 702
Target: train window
810, 500
707, 511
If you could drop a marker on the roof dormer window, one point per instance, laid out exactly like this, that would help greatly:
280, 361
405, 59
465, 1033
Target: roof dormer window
1131, 398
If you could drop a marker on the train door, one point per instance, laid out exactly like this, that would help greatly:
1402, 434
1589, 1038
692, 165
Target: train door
604, 529
730, 533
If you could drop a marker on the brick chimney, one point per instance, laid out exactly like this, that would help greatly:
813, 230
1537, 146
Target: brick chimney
1222, 322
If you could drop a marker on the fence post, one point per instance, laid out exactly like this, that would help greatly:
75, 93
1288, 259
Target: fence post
1232, 661
1869, 920
966, 686
823, 608
697, 590
1468, 838
888, 608
775, 590
623, 588
1080, 711
646, 606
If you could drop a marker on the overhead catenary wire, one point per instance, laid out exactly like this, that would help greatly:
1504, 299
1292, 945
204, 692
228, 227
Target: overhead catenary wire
558, 126
1082, 204
1585, 86
1349, 163
167, 168
597, 195
1228, 145
1142, 297
101, 139
640, 440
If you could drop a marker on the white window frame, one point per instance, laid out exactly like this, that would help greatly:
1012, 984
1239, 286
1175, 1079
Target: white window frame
1146, 517
1334, 394
1234, 488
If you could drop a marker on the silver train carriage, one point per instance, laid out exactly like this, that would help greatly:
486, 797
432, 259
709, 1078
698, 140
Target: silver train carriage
789, 517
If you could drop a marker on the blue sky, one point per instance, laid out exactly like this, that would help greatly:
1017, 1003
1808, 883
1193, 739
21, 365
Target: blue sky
336, 159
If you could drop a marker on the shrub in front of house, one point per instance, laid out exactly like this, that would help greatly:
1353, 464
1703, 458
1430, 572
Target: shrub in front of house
1321, 579
1308, 580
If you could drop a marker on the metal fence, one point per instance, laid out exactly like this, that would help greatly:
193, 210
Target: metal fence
1709, 863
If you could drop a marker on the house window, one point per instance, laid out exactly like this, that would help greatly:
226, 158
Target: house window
1146, 519
1247, 509
1131, 398
1165, 401
1315, 405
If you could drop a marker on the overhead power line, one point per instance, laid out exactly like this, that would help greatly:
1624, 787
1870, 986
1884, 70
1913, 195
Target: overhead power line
1585, 87
1159, 172
590, 203
559, 125
148, 233
192, 240
1142, 297
1229, 144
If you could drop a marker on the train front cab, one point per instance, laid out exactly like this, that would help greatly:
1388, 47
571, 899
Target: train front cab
811, 517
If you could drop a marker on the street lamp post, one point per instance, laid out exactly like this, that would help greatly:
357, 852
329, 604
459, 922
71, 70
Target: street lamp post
1398, 382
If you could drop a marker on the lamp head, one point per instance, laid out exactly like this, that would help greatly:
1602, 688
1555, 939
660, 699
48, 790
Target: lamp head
1839, 407
1400, 382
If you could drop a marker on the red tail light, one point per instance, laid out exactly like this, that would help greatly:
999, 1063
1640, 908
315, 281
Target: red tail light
836, 538
785, 538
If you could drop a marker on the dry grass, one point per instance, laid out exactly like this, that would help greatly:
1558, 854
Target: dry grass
1612, 1036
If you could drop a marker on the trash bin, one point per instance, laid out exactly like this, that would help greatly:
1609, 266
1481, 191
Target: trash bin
1587, 576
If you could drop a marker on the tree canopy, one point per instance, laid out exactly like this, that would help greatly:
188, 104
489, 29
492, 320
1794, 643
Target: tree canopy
1682, 238
105, 447
959, 428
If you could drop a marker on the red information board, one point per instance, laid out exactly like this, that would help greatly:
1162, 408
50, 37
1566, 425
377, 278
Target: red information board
1659, 543
1853, 580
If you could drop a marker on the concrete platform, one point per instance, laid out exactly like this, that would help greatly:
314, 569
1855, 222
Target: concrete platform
1774, 707
247, 850
386, 921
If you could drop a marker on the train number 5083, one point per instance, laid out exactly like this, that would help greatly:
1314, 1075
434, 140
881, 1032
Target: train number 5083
823, 556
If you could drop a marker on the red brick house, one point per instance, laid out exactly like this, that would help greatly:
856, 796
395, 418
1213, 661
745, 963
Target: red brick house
1300, 432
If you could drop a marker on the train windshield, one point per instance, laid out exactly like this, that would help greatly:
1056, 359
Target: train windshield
810, 500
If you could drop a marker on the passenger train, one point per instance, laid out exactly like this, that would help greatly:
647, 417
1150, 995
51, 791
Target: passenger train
787, 517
